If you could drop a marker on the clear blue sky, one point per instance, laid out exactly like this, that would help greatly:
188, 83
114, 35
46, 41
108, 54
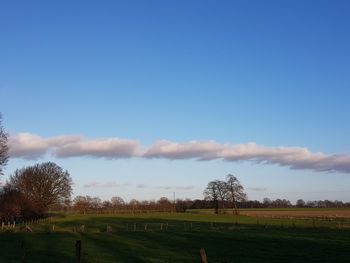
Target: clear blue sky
273, 72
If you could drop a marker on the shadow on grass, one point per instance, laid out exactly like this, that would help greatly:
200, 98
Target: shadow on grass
223, 242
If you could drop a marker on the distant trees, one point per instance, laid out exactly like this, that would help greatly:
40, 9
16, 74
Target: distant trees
117, 202
278, 203
230, 191
3, 147
88, 204
42, 185
300, 203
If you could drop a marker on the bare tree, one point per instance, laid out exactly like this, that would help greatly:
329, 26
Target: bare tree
211, 193
82, 203
222, 190
42, 184
235, 192
300, 203
117, 202
3, 147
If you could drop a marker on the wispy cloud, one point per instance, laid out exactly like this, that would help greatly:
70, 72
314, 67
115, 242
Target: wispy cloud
257, 189
104, 185
31, 146
141, 186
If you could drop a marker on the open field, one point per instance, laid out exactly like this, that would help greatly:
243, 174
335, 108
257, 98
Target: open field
301, 213
177, 237
289, 212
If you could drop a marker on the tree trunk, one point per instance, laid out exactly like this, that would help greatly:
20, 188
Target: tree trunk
234, 207
216, 203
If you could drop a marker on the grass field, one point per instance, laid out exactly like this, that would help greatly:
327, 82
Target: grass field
177, 237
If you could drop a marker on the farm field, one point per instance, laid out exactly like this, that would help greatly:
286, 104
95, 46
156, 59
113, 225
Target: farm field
289, 212
178, 237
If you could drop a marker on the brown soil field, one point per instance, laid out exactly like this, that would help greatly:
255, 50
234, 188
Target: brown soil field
300, 214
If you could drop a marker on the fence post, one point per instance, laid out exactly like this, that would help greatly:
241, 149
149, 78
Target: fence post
24, 251
78, 250
203, 255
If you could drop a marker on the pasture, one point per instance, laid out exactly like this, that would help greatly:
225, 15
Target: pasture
178, 237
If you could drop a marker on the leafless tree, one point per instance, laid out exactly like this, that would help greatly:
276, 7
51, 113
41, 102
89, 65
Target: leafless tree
164, 204
211, 193
222, 190
235, 192
117, 202
42, 184
82, 203
3, 147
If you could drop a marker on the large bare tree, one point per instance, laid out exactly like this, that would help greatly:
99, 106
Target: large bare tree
43, 184
211, 193
3, 147
235, 192
222, 191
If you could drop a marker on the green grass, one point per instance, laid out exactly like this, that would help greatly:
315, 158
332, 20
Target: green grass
226, 238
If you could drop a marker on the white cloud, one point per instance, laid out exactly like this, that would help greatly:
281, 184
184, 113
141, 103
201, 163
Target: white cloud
31, 146
110, 148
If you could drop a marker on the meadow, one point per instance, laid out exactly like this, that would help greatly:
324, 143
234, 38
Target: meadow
178, 237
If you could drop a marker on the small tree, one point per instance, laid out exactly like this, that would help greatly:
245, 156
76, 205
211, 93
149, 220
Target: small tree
42, 184
235, 192
117, 202
3, 147
300, 203
211, 193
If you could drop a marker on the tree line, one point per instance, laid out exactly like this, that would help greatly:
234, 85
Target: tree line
88, 204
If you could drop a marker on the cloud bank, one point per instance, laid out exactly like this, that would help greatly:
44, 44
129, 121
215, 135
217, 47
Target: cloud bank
31, 146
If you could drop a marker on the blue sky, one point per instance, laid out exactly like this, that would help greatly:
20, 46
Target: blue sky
271, 72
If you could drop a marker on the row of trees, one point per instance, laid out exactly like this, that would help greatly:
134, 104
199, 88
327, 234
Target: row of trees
87, 204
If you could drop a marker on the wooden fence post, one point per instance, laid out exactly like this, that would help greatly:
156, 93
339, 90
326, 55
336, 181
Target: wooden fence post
78, 250
203, 255
24, 252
